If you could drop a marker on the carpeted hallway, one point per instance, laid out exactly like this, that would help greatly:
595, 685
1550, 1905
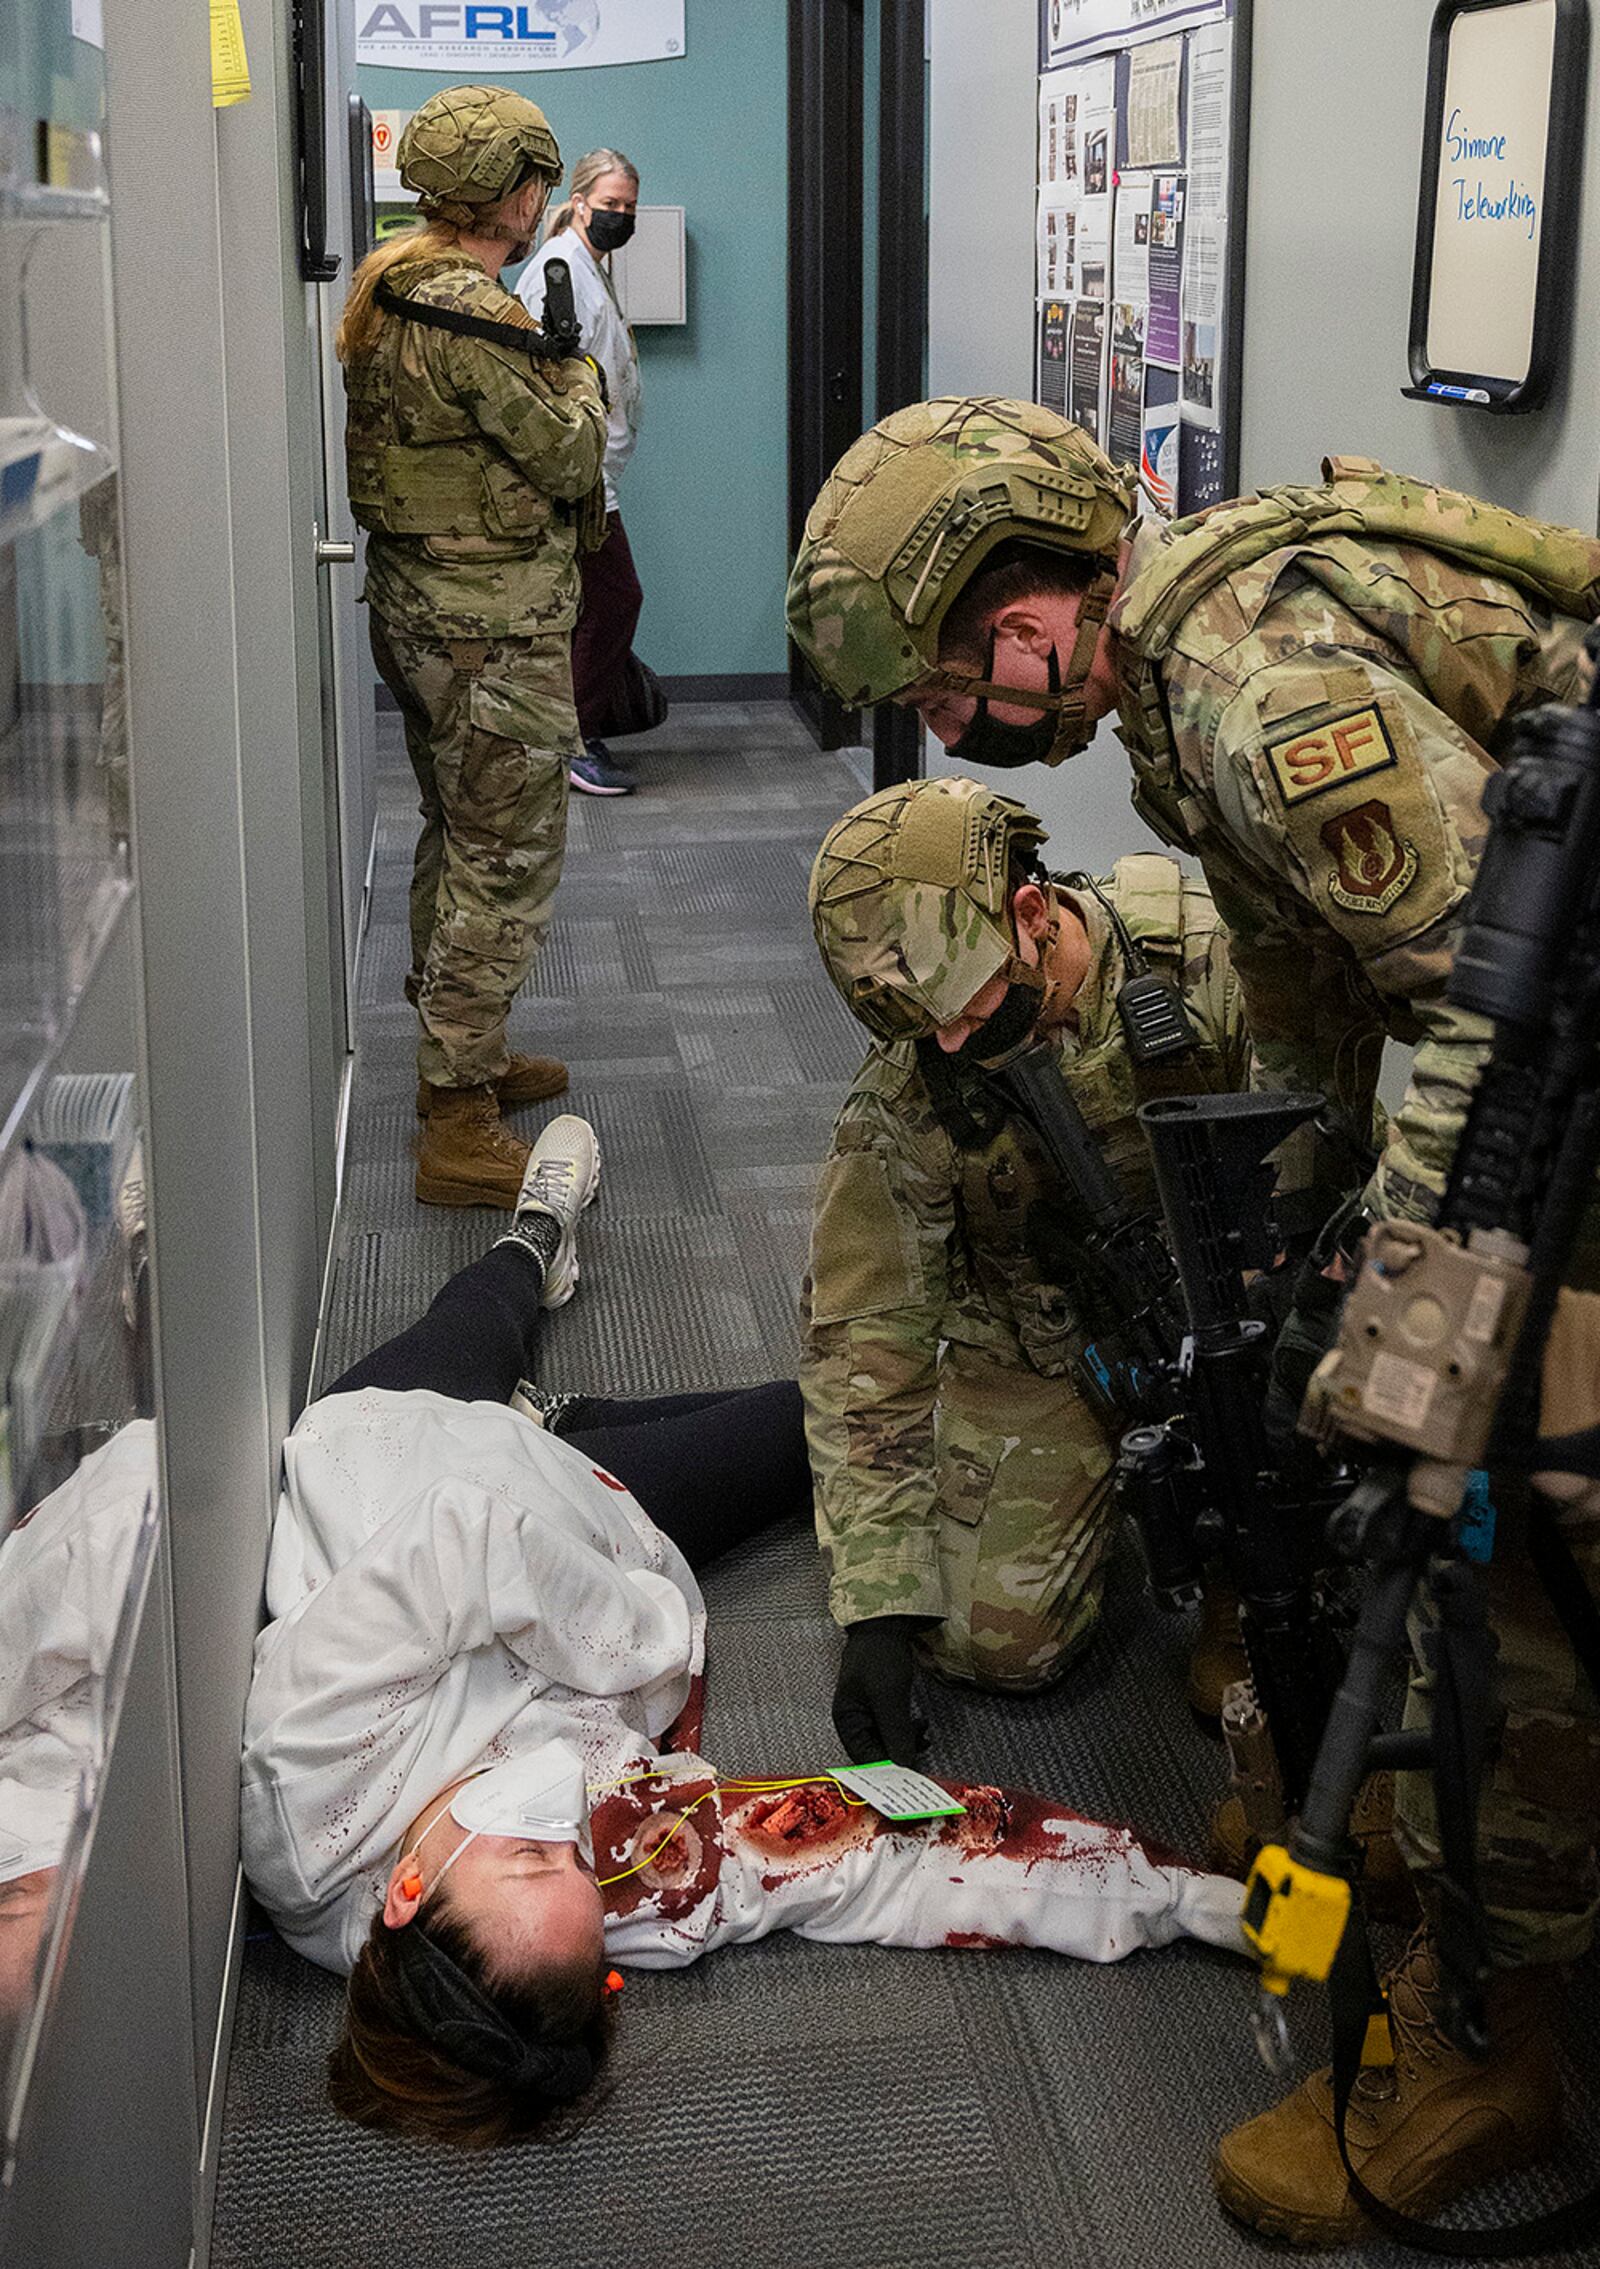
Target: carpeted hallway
842, 2108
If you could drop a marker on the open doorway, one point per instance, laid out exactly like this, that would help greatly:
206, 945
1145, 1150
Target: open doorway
857, 114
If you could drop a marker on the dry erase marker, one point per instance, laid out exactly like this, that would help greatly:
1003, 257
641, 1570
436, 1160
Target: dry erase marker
1458, 393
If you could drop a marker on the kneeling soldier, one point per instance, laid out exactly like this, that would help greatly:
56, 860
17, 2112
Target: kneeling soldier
963, 1474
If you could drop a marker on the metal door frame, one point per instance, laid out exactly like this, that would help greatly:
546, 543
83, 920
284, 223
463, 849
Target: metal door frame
825, 286
902, 292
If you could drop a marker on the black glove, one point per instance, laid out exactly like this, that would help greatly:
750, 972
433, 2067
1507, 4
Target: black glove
872, 1712
1308, 1333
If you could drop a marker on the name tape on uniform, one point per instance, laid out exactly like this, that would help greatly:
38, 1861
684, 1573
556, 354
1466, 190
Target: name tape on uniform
1308, 764
896, 1791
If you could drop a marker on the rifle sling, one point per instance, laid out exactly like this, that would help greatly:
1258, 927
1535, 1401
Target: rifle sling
521, 340
1352, 2001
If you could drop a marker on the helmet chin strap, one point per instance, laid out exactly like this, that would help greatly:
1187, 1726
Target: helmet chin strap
1074, 727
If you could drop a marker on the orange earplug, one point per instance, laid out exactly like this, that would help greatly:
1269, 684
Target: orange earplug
411, 1886
612, 1982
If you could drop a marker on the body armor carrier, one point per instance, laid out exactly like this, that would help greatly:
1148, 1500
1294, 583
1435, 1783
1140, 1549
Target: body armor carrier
1557, 566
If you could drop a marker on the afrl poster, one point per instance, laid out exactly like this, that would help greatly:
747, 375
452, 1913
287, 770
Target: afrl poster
1131, 251
525, 35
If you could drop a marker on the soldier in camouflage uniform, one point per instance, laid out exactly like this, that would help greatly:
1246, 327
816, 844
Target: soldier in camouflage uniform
474, 465
963, 1476
1312, 685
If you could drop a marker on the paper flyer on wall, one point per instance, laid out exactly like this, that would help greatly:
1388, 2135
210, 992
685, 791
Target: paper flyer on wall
1206, 222
1123, 440
1130, 318
1077, 126
1078, 27
1159, 453
1155, 126
1164, 340
1086, 366
1051, 390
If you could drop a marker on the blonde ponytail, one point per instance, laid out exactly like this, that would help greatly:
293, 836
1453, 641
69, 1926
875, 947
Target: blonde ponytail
362, 321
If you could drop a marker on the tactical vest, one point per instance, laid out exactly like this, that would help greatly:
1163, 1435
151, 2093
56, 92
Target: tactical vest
1557, 566
446, 478
1017, 1235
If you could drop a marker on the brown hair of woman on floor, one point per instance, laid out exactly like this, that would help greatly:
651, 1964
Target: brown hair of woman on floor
384, 2073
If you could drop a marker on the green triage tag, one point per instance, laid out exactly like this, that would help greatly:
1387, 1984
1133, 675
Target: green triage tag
896, 1791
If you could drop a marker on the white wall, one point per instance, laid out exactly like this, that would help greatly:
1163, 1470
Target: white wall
983, 134
1335, 156
1335, 153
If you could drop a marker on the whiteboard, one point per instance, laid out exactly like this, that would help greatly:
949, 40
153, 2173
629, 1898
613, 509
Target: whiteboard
1489, 218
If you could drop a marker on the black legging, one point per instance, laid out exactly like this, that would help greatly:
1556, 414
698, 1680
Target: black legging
710, 1469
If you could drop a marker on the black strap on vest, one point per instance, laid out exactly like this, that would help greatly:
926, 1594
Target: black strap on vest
967, 1106
550, 345
525, 341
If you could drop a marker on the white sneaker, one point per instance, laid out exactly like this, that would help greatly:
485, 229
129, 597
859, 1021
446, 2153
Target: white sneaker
562, 1176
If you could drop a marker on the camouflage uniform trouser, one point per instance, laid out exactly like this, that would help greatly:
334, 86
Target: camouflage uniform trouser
1025, 1521
490, 730
1539, 1813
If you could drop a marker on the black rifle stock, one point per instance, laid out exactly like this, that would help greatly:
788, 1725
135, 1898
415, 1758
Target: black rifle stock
1171, 1339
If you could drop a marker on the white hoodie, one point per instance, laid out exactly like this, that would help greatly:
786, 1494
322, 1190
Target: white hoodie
451, 1586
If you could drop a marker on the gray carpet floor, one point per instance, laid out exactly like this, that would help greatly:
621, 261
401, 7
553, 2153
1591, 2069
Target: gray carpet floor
848, 2108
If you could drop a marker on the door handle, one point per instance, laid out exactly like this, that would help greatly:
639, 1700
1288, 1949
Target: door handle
333, 553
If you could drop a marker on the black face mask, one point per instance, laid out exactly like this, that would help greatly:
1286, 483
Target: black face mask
1007, 746
608, 232
1004, 1032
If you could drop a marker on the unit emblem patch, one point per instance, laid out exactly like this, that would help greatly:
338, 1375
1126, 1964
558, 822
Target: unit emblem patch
1372, 864
1307, 764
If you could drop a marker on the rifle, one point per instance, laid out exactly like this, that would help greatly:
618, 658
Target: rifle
1172, 1342
1437, 1370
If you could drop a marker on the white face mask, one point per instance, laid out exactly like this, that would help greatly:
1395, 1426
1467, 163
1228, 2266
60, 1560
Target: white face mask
540, 1797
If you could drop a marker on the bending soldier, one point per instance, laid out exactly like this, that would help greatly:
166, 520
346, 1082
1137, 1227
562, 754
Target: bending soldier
1312, 685
474, 467
963, 1475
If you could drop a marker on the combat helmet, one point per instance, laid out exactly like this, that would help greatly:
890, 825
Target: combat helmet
909, 901
909, 514
470, 146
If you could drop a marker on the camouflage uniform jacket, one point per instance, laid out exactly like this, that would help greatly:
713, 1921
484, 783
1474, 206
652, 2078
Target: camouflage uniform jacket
466, 461
916, 1242
1328, 715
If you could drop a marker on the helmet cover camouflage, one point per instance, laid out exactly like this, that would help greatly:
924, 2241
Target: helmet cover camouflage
912, 510
909, 901
470, 146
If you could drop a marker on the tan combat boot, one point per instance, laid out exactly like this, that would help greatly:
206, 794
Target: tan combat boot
1386, 1886
1421, 2133
467, 1156
1218, 1660
526, 1079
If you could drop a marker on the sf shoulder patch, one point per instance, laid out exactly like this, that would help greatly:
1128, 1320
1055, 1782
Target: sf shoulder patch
1308, 764
1349, 798
1373, 864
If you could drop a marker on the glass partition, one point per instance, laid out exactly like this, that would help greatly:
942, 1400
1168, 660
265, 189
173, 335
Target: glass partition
79, 1487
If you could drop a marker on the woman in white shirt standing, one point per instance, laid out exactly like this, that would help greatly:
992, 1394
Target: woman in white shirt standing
596, 221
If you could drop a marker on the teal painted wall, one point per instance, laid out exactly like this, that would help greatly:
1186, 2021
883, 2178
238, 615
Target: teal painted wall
705, 498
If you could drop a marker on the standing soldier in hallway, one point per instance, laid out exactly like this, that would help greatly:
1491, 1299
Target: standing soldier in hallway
962, 1442
474, 461
1313, 684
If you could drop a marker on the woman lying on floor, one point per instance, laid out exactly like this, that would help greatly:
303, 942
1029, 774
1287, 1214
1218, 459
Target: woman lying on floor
469, 1772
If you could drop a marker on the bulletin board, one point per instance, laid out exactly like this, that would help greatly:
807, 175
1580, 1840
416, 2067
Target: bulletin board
1497, 214
1139, 263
